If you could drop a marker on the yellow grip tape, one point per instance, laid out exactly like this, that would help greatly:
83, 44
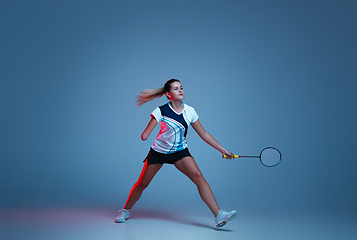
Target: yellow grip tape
234, 156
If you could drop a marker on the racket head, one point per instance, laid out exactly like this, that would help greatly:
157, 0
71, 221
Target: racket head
270, 156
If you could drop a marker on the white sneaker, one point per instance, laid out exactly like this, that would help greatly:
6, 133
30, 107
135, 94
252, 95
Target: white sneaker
122, 216
223, 217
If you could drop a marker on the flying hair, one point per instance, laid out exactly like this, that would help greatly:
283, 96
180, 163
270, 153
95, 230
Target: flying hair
150, 94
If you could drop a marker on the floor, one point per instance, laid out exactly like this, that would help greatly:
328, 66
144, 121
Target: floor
144, 224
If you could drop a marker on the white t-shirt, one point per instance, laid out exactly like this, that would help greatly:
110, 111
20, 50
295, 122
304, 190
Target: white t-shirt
173, 131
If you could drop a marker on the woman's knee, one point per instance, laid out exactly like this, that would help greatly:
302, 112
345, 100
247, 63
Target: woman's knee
196, 176
147, 175
142, 184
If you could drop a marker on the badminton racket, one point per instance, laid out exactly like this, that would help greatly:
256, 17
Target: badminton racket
269, 156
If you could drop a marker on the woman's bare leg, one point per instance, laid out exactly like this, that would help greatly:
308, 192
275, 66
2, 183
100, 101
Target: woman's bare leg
188, 166
145, 178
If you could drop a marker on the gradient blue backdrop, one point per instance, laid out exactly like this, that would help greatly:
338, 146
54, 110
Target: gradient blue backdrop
259, 73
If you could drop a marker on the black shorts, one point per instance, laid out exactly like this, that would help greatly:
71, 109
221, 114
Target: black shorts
156, 157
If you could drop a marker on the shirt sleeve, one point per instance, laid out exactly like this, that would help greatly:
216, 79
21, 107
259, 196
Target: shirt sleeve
156, 114
194, 116
191, 114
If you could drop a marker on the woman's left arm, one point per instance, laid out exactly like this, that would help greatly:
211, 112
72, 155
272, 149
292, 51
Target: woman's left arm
209, 139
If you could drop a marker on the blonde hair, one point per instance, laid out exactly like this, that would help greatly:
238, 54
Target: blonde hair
150, 94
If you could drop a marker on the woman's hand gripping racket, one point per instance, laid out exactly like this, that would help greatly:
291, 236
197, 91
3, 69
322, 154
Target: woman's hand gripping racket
269, 156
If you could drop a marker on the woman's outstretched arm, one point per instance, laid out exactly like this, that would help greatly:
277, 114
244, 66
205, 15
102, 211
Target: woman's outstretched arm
151, 125
209, 139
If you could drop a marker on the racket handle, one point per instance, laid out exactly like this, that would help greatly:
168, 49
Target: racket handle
234, 156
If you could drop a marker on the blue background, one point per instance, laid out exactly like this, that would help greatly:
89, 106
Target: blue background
259, 73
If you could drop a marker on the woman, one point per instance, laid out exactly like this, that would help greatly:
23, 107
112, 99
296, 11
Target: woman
170, 147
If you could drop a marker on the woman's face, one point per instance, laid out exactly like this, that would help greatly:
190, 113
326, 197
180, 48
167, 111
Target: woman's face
176, 92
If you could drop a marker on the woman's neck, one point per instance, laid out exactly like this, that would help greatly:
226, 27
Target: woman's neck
177, 105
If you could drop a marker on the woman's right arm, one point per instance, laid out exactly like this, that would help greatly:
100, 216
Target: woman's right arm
149, 129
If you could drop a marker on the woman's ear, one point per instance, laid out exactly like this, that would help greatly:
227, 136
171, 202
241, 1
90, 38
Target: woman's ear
168, 95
